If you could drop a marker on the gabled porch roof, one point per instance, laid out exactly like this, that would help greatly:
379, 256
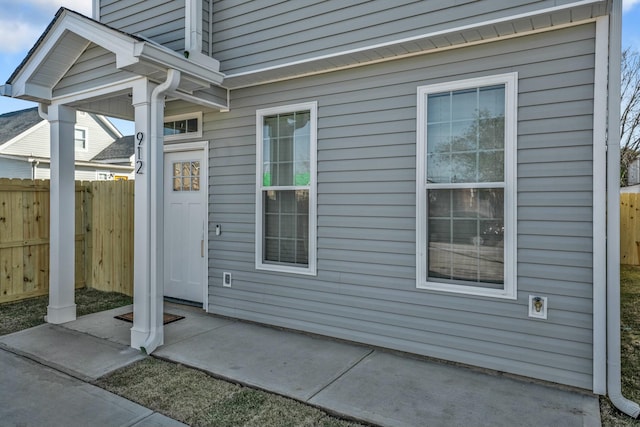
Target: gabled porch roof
74, 46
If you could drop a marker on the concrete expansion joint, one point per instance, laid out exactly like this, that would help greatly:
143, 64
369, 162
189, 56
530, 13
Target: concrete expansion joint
46, 364
341, 374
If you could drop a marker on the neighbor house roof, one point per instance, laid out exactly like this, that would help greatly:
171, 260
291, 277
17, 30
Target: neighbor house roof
14, 123
121, 148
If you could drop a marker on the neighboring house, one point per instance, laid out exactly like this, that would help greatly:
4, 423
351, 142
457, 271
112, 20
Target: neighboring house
118, 153
424, 176
25, 150
633, 173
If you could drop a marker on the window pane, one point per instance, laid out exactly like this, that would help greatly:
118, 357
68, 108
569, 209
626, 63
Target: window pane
192, 125
491, 133
492, 101
439, 107
465, 233
464, 104
463, 167
286, 221
439, 168
491, 166
439, 137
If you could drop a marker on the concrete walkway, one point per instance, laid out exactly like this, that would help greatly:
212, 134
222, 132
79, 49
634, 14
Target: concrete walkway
356, 381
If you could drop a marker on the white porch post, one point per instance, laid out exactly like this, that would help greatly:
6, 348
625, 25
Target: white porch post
142, 240
62, 307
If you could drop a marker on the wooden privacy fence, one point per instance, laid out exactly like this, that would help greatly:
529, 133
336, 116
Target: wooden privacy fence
103, 237
630, 228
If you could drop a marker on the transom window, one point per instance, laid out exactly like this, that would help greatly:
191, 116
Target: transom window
286, 181
466, 186
183, 126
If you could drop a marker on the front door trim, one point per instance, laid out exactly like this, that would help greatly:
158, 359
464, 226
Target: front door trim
204, 182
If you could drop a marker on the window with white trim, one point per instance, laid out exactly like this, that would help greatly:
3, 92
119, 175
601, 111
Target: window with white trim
286, 188
183, 126
80, 138
466, 186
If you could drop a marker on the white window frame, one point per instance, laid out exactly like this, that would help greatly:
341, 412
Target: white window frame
86, 138
310, 269
509, 290
187, 135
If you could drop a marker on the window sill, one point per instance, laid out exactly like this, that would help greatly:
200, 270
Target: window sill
307, 271
506, 293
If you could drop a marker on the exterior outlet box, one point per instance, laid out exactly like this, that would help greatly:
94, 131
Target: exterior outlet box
226, 280
537, 307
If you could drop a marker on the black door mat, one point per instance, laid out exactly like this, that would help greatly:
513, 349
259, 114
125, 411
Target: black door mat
166, 317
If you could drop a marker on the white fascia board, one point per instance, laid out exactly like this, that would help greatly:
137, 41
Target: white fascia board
120, 44
201, 99
149, 52
6, 90
102, 119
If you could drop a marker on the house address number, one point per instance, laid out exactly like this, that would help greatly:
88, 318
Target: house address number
139, 163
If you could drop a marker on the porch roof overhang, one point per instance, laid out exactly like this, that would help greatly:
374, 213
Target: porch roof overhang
569, 13
70, 34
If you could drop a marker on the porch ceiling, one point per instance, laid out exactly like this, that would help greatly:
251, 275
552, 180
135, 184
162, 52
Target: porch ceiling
85, 54
578, 11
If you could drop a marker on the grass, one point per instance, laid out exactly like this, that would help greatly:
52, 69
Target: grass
630, 351
19, 315
182, 393
197, 399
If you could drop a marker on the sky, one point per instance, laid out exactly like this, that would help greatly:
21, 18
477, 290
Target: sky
23, 21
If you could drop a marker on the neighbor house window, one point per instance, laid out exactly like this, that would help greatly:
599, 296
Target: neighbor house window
286, 189
183, 126
80, 139
466, 186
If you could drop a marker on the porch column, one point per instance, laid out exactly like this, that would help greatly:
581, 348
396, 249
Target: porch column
142, 238
62, 307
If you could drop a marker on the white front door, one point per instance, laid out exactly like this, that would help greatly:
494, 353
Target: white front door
185, 215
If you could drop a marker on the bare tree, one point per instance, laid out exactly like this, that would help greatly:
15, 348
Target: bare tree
630, 112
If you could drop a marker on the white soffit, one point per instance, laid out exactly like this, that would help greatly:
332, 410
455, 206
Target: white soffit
572, 14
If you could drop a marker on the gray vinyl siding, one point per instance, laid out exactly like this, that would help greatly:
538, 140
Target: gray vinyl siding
365, 289
162, 21
206, 40
96, 66
263, 33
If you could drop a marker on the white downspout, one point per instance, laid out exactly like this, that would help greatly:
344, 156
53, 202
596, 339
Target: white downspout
156, 261
42, 113
614, 381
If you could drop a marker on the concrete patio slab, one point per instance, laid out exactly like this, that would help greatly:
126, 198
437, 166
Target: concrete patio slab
104, 325
195, 322
35, 395
393, 390
290, 364
80, 355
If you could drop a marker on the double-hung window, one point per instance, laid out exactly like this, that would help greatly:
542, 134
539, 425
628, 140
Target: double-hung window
286, 189
80, 138
466, 186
